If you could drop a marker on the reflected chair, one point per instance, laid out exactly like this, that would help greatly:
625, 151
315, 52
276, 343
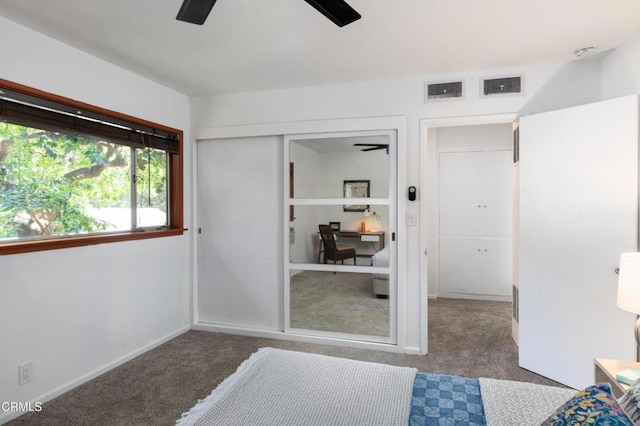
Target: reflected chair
332, 250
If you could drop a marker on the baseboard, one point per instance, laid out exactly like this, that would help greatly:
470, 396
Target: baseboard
4, 418
475, 297
413, 351
281, 335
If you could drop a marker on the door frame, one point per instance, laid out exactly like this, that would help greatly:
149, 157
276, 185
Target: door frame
429, 213
397, 123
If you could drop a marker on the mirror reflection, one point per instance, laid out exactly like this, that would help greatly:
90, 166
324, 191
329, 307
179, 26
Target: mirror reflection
321, 166
341, 302
348, 233
365, 232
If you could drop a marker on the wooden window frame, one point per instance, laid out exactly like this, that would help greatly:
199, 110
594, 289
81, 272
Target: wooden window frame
175, 186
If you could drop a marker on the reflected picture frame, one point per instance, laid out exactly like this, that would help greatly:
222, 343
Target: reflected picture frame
335, 225
356, 189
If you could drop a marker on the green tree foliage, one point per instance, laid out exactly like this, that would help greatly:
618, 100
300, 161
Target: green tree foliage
49, 181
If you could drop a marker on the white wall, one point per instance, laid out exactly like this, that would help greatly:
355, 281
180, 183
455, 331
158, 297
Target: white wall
546, 86
621, 69
76, 312
463, 137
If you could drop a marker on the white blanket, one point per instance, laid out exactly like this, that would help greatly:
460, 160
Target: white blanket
508, 403
277, 387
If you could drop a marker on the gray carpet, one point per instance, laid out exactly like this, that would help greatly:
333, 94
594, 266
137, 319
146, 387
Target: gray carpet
466, 338
342, 302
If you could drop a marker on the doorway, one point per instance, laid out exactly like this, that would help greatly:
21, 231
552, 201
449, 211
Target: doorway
468, 151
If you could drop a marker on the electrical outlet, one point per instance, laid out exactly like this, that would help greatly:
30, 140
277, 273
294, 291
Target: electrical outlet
25, 373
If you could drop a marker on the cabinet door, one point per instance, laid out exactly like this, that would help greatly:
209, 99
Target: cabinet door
497, 193
460, 193
496, 267
460, 266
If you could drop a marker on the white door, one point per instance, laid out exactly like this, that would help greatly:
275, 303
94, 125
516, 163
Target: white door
239, 232
578, 207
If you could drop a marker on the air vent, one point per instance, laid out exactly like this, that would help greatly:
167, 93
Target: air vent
439, 91
502, 86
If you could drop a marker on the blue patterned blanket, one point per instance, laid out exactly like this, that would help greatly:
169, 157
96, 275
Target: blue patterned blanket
440, 399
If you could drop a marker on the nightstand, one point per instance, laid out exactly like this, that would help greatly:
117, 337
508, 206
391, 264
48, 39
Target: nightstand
606, 370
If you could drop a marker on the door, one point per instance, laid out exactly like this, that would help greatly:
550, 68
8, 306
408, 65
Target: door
460, 193
239, 232
348, 182
497, 190
578, 198
496, 267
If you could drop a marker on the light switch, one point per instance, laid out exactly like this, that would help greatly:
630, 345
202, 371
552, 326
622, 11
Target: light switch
410, 218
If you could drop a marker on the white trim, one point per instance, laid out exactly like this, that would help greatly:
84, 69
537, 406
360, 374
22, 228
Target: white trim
281, 335
428, 149
468, 296
195, 235
341, 336
92, 375
302, 127
336, 201
481, 148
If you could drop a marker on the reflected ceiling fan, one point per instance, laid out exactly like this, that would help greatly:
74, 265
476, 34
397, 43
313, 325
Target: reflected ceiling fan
338, 11
373, 146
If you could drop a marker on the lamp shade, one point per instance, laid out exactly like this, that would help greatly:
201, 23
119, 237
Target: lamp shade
629, 283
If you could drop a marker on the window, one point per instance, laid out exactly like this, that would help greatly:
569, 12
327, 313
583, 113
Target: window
73, 174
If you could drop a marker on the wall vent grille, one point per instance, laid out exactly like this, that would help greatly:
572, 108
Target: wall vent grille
502, 86
438, 91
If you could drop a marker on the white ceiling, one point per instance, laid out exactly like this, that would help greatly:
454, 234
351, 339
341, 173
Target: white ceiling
249, 45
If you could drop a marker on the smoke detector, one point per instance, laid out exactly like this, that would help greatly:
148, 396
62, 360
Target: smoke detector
586, 51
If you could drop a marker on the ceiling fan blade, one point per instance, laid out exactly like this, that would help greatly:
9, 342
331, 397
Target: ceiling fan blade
338, 11
195, 11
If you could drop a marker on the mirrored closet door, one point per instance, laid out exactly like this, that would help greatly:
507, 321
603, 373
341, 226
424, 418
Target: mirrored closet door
340, 221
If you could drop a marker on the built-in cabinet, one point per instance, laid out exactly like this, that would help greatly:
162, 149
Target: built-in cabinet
475, 224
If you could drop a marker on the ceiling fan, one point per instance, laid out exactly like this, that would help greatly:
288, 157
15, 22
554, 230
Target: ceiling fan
338, 11
373, 146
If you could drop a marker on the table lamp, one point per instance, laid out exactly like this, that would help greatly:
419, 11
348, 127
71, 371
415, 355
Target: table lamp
366, 214
629, 286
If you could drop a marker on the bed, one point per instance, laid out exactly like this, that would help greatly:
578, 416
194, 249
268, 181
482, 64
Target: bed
381, 281
279, 387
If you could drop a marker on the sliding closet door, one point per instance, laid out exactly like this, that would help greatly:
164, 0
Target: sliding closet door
346, 181
240, 232
578, 203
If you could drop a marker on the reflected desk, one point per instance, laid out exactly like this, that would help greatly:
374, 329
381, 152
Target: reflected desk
368, 236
